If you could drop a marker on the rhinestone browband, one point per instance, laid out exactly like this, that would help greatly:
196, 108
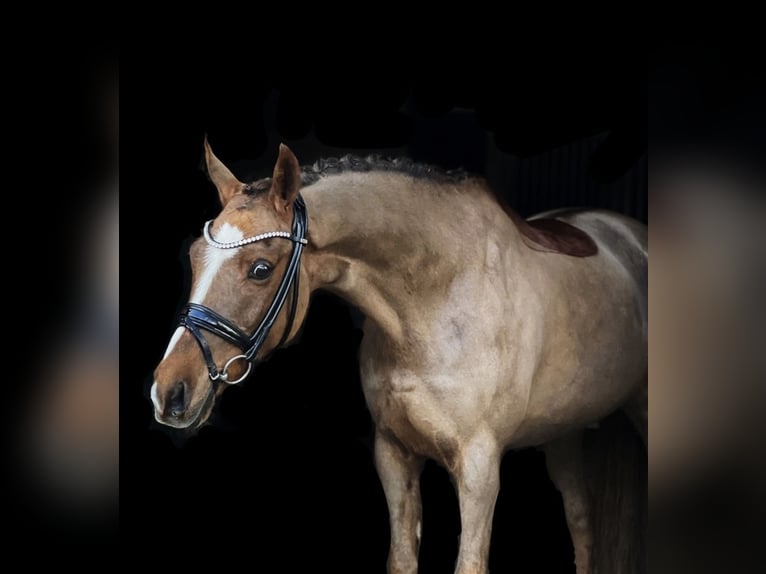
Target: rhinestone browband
247, 240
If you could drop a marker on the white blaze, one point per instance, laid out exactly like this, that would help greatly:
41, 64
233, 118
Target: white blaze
214, 258
212, 262
155, 398
174, 339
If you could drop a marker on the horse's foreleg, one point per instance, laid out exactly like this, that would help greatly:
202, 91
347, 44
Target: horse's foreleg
477, 475
565, 467
399, 471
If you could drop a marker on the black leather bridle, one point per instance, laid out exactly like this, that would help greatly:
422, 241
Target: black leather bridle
197, 317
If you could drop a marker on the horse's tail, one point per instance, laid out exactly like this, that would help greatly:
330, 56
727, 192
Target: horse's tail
617, 464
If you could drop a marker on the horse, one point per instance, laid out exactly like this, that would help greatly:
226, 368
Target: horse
483, 332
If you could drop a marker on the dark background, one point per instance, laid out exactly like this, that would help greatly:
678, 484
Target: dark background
289, 451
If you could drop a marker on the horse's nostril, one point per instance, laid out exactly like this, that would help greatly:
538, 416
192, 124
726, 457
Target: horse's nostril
177, 399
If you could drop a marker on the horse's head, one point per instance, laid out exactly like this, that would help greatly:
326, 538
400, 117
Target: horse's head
237, 284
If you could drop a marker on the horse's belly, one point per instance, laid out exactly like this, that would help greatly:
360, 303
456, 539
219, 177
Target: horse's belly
582, 385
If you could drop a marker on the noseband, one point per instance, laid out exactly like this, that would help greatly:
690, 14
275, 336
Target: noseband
197, 317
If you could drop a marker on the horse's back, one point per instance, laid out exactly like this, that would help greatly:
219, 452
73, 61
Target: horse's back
610, 227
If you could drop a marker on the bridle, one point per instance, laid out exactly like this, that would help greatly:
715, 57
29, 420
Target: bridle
197, 317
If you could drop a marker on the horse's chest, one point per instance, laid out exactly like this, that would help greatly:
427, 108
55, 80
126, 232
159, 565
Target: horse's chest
411, 413
391, 397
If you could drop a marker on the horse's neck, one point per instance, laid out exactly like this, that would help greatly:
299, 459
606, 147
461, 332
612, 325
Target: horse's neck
392, 247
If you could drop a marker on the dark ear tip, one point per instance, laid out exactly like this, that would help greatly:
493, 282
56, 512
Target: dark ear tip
286, 156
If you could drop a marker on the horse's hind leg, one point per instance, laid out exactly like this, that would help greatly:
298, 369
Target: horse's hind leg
477, 475
566, 468
399, 472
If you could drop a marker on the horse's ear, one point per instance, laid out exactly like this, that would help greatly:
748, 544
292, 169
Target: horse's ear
221, 177
286, 180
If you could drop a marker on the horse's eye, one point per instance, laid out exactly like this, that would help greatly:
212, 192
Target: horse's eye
260, 270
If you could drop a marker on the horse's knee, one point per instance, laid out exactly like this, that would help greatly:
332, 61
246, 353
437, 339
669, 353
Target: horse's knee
477, 465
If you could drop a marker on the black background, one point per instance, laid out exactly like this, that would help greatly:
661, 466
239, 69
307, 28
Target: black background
289, 452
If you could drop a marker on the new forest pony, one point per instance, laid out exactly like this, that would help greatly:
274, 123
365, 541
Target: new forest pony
483, 332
